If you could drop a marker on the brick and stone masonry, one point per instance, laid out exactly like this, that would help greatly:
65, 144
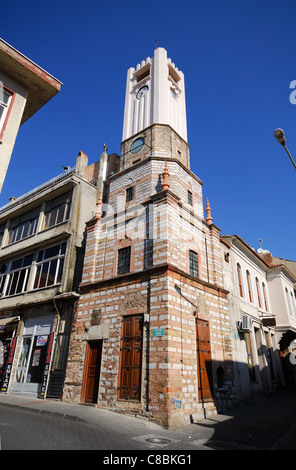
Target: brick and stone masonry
160, 227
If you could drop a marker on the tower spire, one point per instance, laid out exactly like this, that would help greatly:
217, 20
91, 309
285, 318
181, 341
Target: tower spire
209, 218
165, 184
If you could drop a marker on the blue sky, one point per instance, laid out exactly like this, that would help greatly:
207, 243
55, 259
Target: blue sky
238, 57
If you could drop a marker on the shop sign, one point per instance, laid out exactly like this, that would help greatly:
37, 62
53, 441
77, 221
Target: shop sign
47, 365
36, 357
8, 370
41, 340
158, 332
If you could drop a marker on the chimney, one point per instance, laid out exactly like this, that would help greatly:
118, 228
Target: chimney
265, 255
81, 161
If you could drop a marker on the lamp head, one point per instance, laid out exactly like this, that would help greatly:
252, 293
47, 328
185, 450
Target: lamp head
280, 136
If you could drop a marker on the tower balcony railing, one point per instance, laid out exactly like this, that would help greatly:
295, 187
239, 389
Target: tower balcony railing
66, 173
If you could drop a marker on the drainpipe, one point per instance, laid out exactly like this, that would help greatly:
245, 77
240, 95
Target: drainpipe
147, 323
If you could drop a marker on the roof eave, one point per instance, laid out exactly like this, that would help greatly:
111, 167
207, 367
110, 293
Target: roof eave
41, 85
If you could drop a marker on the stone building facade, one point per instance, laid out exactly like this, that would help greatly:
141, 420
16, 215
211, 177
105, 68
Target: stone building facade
151, 332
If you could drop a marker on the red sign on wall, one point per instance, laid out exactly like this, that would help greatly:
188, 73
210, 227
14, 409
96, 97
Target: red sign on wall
8, 369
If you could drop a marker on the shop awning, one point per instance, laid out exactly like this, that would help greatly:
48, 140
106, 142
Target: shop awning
5, 321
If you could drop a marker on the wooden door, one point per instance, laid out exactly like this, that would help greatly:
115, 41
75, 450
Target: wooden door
131, 358
92, 371
204, 361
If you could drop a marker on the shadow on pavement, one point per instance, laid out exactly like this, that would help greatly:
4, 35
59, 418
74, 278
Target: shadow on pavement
267, 423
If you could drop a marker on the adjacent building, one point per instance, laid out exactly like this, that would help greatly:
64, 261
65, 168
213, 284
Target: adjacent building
262, 309
283, 293
24, 89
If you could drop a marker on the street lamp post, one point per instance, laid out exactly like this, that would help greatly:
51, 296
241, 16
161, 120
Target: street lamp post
280, 137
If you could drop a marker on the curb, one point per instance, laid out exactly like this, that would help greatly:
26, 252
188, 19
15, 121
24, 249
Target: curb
54, 414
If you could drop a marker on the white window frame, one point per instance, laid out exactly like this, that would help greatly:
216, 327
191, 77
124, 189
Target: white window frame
10, 273
23, 226
59, 258
55, 209
4, 91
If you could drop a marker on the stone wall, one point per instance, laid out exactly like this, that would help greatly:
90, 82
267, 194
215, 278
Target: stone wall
169, 302
169, 298
160, 226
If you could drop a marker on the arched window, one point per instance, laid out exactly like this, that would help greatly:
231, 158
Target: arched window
239, 279
293, 305
265, 296
258, 293
249, 286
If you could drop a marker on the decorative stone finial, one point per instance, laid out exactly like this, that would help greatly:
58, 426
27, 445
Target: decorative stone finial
165, 185
98, 213
209, 218
105, 148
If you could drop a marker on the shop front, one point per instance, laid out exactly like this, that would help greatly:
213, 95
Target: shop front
32, 355
8, 326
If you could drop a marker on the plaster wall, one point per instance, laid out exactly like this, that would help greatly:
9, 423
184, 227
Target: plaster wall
13, 123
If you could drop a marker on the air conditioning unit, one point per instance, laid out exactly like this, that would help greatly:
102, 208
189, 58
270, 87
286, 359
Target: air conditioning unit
245, 323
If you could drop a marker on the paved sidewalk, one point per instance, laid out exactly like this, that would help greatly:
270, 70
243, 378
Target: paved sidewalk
269, 423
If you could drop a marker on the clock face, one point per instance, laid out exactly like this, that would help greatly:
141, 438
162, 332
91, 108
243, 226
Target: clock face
137, 145
142, 91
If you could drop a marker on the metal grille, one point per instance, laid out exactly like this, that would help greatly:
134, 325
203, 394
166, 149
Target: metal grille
124, 257
189, 193
193, 263
129, 194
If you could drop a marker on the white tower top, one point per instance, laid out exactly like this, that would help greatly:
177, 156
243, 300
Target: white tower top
155, 94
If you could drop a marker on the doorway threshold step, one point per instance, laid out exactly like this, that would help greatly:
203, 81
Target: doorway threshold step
88, 404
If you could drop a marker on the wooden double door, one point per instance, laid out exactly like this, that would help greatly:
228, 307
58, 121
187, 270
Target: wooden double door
131, 361
204, 361
131, 357
92, 371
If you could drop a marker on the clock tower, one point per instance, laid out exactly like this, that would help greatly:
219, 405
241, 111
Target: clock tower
155, 111
152, 283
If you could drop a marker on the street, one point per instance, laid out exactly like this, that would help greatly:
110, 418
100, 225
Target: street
268, 423
26, 430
